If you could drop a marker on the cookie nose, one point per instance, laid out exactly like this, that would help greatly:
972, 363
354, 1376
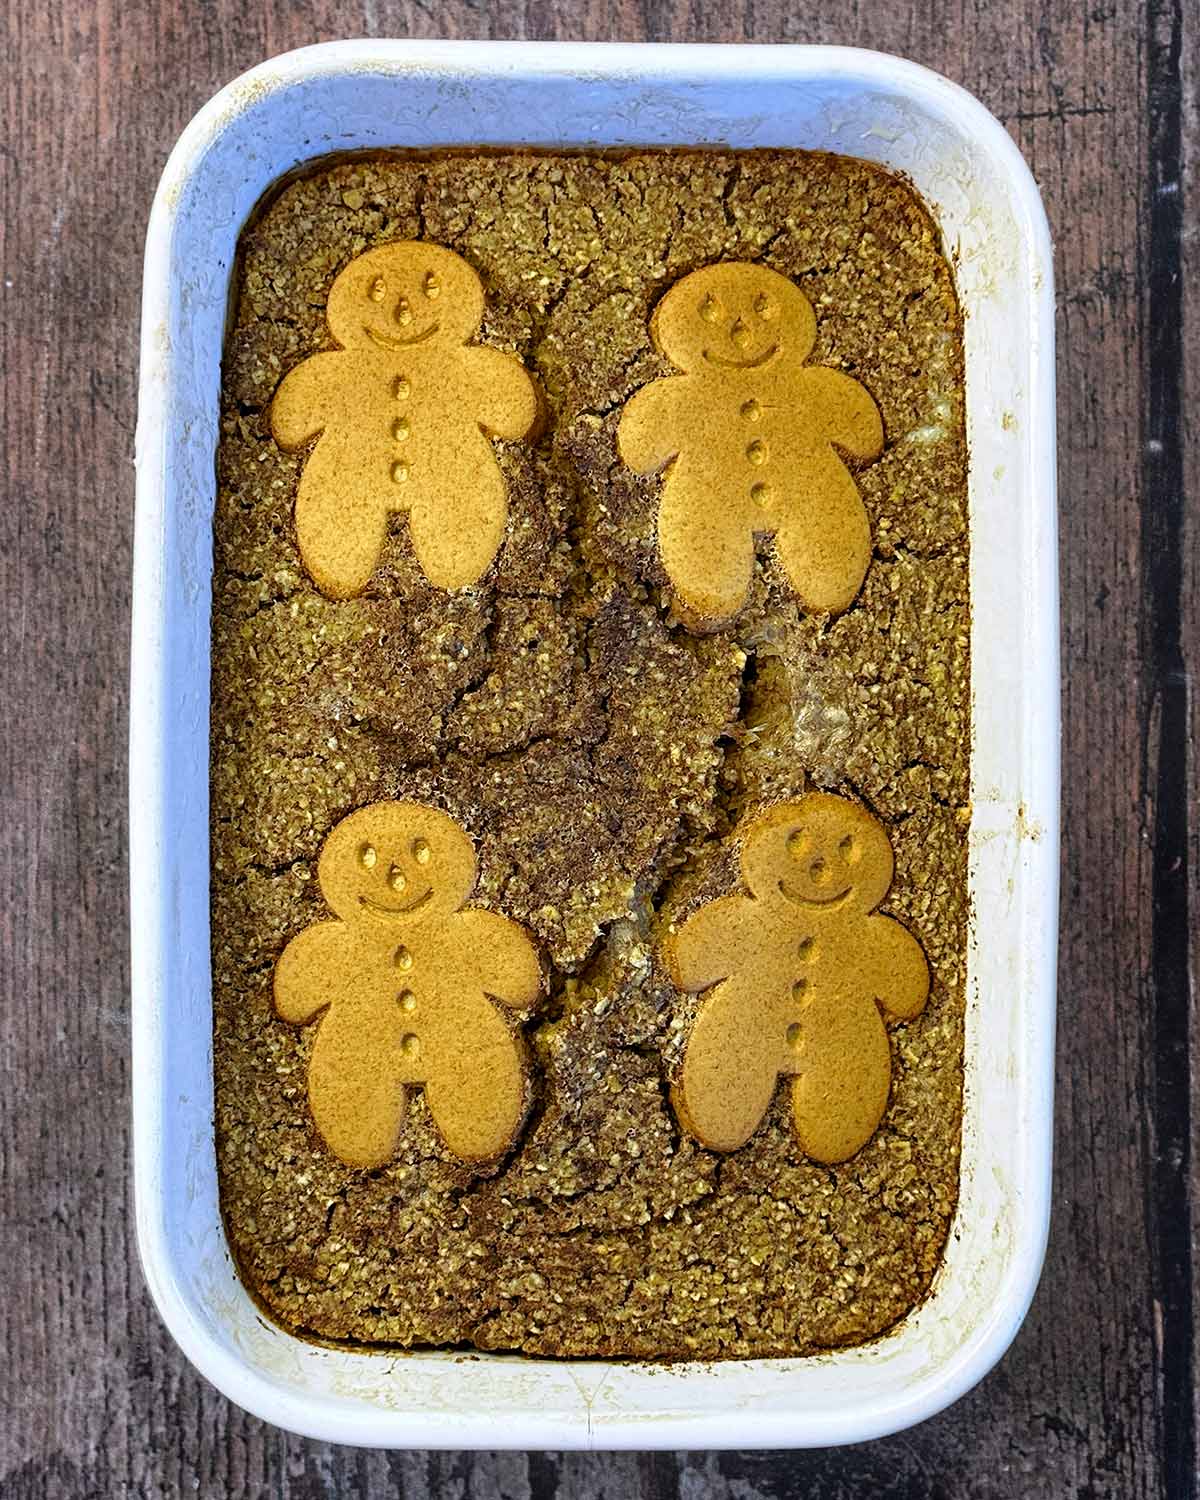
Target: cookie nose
740, 334
403, 311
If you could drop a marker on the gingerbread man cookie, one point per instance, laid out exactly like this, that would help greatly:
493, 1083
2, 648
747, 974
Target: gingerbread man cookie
798, 976
749, 432
402, 409
412, 985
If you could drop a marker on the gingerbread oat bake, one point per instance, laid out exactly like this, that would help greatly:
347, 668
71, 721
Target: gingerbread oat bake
599, 751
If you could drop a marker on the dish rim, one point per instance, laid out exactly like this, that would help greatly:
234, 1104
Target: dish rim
156, 897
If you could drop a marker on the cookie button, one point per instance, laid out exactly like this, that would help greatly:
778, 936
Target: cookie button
402, 390
757, 452
408, 1002
402, 958
400, 429
410, 1044
399, 473
752, 411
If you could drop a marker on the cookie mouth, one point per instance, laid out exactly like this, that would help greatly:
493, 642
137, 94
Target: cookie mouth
386, 342
402, 909
794, 895
742, 364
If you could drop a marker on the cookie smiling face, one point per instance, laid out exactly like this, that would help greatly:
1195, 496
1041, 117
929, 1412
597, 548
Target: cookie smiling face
733, 317
405, 295
819, 851
395, 862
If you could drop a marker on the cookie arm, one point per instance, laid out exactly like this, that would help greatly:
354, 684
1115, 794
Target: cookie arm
299, 407
648, 436
843, 410
505, 400
895, 968
501, 957
710, 944
309, 970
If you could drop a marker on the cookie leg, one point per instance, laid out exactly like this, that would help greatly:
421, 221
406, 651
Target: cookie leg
457, 524
824, 538
340, 529
355, 1097
844, 1074
730, 1068
707, 545
476, 1086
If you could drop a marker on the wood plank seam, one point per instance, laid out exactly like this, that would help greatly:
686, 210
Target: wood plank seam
1167, 718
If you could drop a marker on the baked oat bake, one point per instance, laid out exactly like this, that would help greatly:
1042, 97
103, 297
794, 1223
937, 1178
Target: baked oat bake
600, 751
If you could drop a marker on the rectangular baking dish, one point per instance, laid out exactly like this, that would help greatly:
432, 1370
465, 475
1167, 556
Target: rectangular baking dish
371, 94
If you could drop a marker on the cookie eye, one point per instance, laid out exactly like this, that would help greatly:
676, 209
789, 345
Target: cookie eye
798, 844
763, 306
367, 857
710, 309
432, 285
849, 849
422, 853
397, 879
378, 289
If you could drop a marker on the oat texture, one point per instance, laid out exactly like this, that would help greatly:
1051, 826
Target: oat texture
599, 753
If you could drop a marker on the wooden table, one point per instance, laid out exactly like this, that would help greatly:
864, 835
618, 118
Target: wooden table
1097, 1396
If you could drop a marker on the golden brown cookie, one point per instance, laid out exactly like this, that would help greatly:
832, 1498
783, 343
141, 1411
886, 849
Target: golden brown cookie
799, 975
748, 436
401, 410
409, 983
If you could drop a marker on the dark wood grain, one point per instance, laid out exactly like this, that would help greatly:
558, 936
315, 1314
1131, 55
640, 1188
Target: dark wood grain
1165, 711
1189, 185
1098, 1396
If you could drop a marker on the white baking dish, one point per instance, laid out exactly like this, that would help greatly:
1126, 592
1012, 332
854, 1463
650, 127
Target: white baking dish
379, 94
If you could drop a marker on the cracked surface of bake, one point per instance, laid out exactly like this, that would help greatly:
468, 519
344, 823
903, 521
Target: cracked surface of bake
599, 753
